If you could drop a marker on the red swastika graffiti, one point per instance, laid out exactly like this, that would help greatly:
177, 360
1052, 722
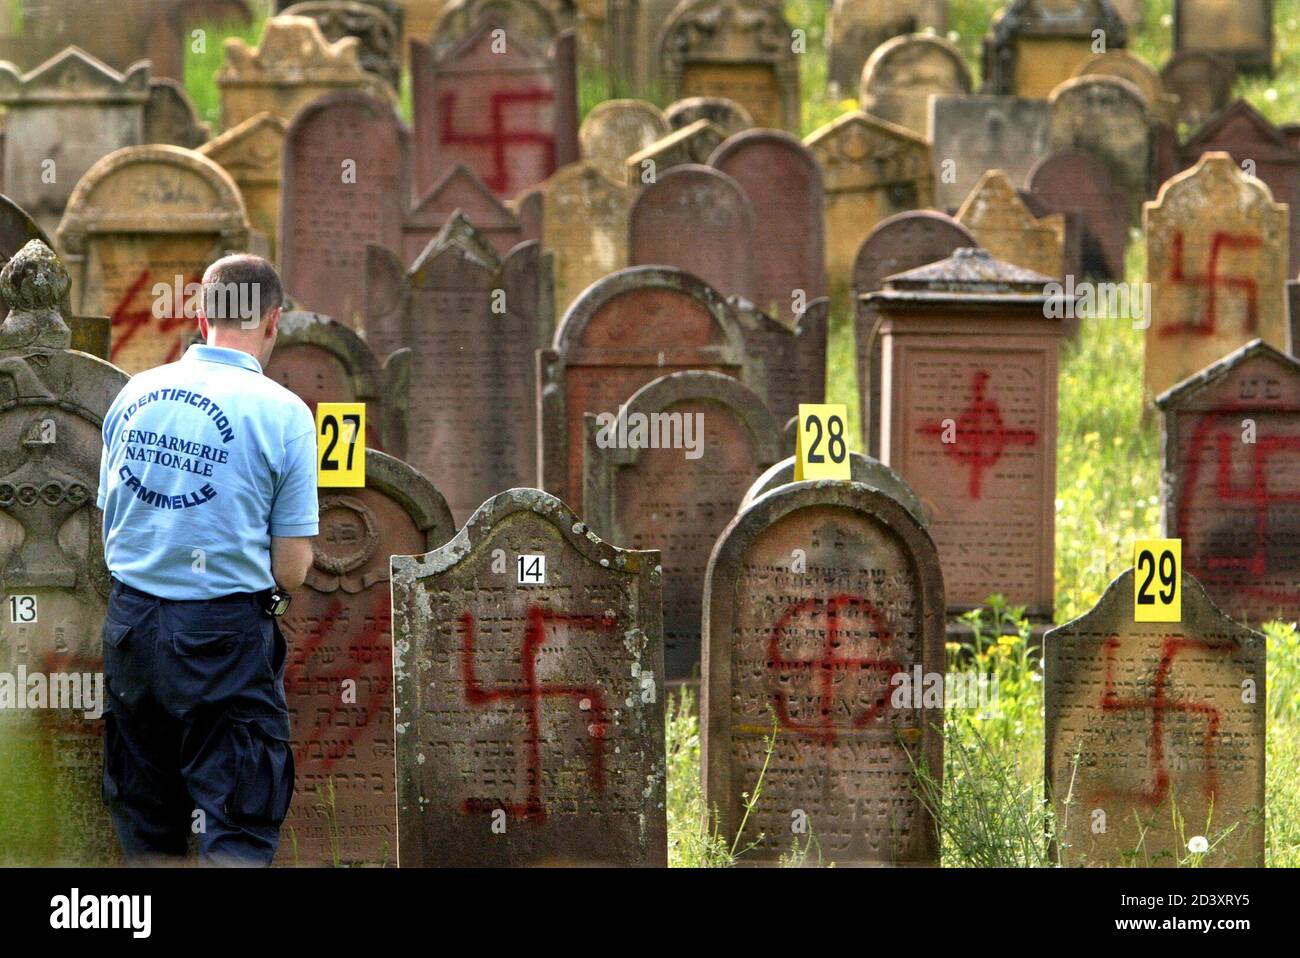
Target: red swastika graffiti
1211, 282
127, 318
498, 138
1241, 571
824, 670
981, 435
532, 693
1159, 705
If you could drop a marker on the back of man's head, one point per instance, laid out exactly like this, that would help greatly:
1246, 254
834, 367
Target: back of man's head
241, 291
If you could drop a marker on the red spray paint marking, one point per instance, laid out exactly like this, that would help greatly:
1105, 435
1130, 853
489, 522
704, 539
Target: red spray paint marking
982, 436
1211, 281
1159, 705
1219, 568
826, 667
499, 138
127, 319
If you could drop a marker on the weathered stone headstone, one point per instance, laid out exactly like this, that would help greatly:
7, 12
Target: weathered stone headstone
699, 220
1217, 263
537, 707
971, 135
60, 119
345, 185
291, 66
1240, 31
252, 153
532, 21
1081, 180
816, 597
667, 467
140, 228
170, 116
1072, 244
727, 115
1231, 487
632, 31
380, 39
902, 242
1034, 45
690, 144
510, 116
1201, 81
784, 185
871, 169
339, 630
903, 73
970, 421
787, 362
615, 129
585, 224
1148, 720
1107, 116
628, 328
855, 28
1002, 223
460, 190
473, 321
738, 49
52, 403
863, 469
1129, 66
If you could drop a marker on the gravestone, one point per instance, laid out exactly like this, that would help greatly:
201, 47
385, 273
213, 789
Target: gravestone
1072, 245
969, 419
1258, 147
1240, 31
816, 597
170, 116
871, 170
530, 718
632, 40
291, 66
52, 403
784, 185
902, 242
60, 119
615, 129
1108, 117
903, 73
140, 229
339, 678
855, 28
971, 135
511, 116
1217, 263
1147, 719
473, 320
690, 144
460, 191
698, 220
380, 38
1002, 223
1034, 45
644, 486
252, 153
345, 185
787, 362
1202, 82
1081, 180
626, 329
727, 115
585, 224
1230, 492
532, 21
1129, 66
862, 469
738, 49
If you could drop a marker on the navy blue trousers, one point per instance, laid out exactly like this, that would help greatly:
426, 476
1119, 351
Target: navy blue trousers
196, 736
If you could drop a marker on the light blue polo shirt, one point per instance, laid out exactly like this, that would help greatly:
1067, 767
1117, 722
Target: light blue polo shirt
204, 460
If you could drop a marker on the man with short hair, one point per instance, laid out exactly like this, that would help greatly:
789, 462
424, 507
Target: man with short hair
208, 486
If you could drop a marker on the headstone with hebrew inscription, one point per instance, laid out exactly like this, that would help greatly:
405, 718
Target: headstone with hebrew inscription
1231, 488
252, 153
1201, 81
903, 73
862, 468
691, 144
1240, 31
666, 469
345, 185
1217, 253
53, 581
140, 229
727, 115
855, 28
1004, 225
1034, 45
973, 134
969, 419
816, 598
1155, 734
460, 191
1078, 179
1108, 117
380, 38
338, 681
528, 659
787, 360
615, 129
585, 224
738, 49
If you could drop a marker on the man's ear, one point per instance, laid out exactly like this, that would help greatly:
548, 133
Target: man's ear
203, 326
273, 322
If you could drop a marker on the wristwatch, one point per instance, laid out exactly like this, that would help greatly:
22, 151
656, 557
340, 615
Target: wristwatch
277, 604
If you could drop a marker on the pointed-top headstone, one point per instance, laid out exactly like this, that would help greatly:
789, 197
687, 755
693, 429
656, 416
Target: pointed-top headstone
1004, 226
